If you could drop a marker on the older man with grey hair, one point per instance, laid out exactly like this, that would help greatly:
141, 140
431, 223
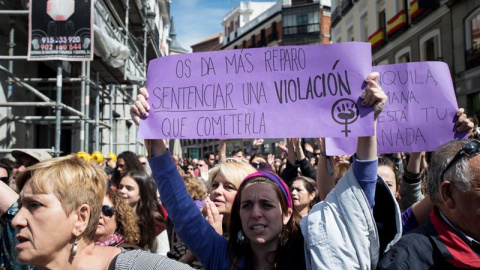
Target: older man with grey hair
451, 238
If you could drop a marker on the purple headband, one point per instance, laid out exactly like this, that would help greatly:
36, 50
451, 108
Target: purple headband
274, 178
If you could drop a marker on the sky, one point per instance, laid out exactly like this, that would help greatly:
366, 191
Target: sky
196, 20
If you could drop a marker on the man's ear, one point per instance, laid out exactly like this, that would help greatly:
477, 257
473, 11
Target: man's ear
446, 194
81, 217
287, 216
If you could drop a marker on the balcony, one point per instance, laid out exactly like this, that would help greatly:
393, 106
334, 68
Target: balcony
377, 39
336, 16
419, 9
397, 23
472, 58
346, 6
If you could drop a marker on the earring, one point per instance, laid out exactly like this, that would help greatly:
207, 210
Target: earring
241, 239
74, 249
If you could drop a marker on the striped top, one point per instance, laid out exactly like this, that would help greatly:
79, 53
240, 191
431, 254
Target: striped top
142, 260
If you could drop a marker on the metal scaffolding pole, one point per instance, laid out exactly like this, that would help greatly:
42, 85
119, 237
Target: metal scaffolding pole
82, 107
112, 97
58, 107
11, 45
87, 111
127, 11
97, 115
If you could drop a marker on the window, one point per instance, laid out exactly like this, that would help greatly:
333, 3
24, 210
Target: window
363, 28
300, 20
430, 46
473, 102
350, 36
472, 39
403, 55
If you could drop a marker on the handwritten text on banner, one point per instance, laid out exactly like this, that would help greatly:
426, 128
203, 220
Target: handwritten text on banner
274, 92
419, 114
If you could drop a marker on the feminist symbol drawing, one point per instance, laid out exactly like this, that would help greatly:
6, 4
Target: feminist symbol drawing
345, 112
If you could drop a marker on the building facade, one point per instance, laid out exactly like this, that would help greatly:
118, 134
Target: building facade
266, 24
418, 30
95, 96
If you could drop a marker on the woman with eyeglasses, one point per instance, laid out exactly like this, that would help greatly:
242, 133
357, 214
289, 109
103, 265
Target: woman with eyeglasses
118, 224
56, 218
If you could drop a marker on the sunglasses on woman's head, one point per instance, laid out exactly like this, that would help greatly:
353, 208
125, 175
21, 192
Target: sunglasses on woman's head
108, 210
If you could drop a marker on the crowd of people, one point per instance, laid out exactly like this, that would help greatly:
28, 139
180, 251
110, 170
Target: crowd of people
246, 209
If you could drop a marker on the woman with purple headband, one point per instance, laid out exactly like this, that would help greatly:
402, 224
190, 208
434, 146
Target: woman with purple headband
264, 227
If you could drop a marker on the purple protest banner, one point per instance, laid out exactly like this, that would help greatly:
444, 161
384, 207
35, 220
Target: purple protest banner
419, 114
273, 92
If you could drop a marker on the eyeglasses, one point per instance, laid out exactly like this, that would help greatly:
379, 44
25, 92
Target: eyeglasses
190, 169
108, 210
200, 165
471, 148
256, 165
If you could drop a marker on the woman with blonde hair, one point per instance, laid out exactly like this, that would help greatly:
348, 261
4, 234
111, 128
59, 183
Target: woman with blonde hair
224, 182
57, 216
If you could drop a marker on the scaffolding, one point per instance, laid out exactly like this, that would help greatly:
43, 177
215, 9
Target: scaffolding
111, 87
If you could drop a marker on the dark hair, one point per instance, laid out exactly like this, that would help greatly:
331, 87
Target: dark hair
311, 186
208, 154
8, 168
290, 233
236, 151
386, 161
147, 205
131, 162
256, 156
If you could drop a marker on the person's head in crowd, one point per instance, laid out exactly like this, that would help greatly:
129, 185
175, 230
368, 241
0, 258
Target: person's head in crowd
146, 166
389, 173
140, 192
341, 159
277, 164
5, 173
118, 222
209, 159
262, 219
190, 170
61, 200
200, 165
26, 158
224, 182
453, 184
197, 189
194, 162
126, 161
316, 154
257, 160
340, 170
304, 194
238, 154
